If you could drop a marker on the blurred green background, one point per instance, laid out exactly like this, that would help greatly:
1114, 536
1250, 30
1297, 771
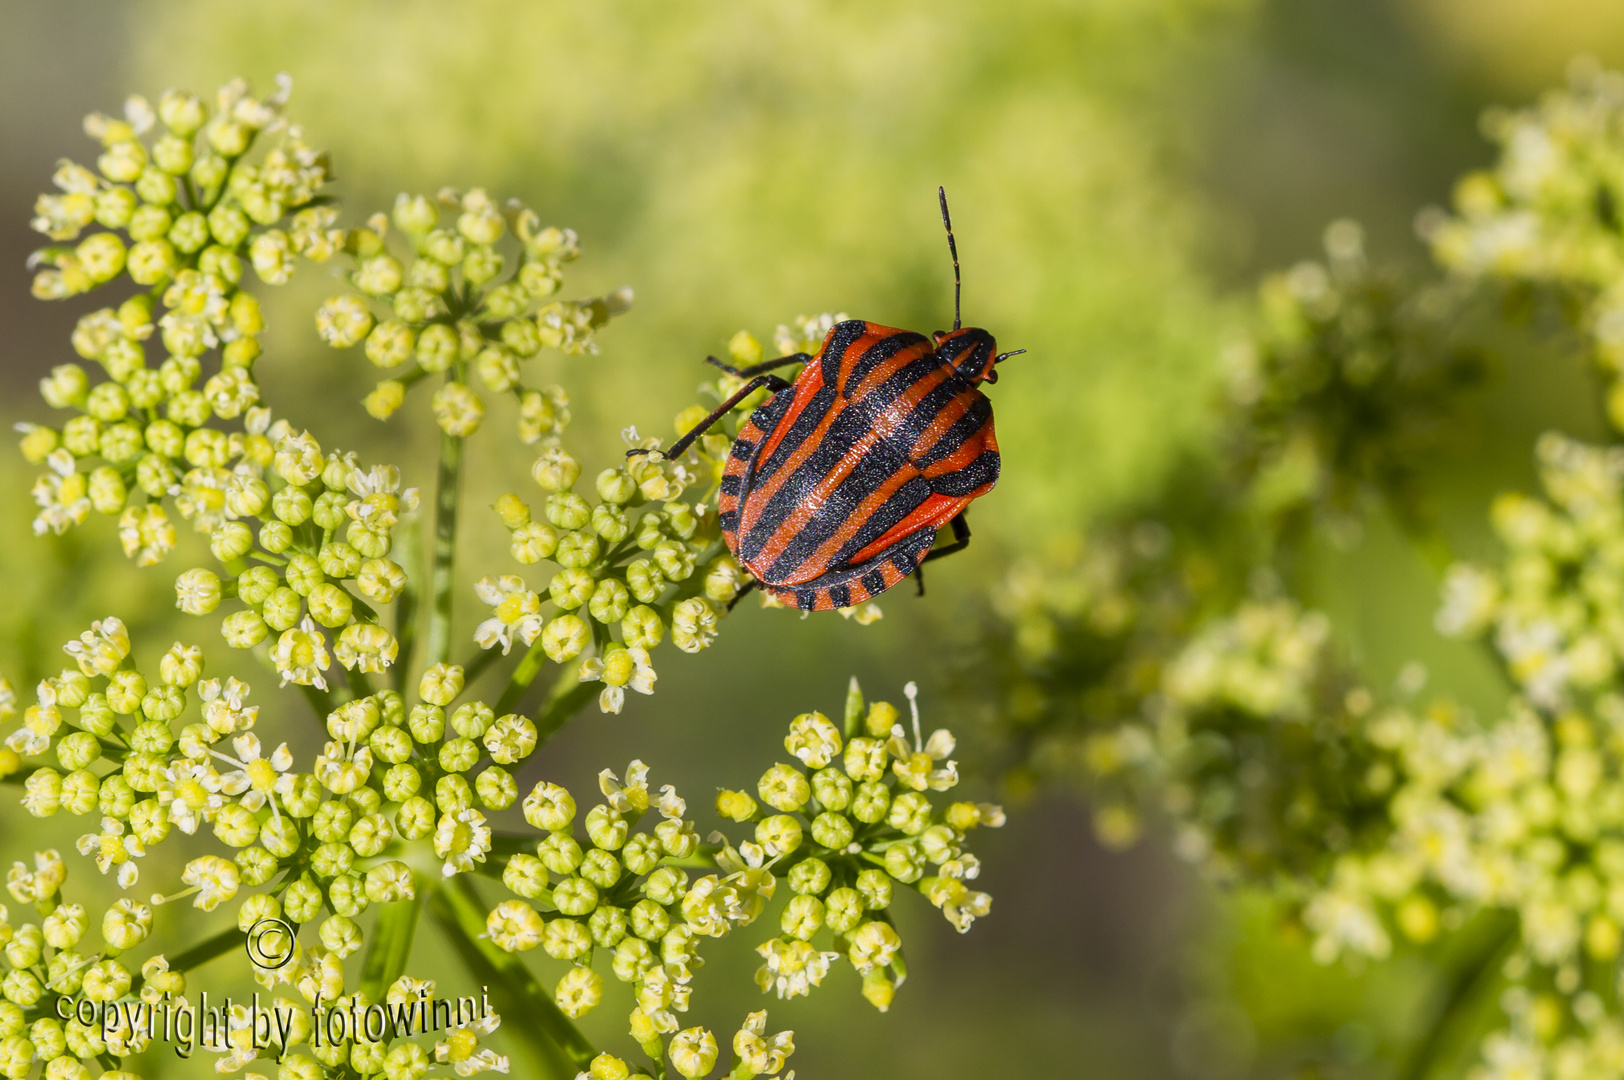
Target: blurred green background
1121, 171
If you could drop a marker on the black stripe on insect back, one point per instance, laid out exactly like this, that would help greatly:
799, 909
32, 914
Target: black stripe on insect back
840, 596
875, 355
979, 473
840, 340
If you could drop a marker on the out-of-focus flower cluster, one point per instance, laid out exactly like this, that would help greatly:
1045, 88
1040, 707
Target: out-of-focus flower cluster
1550, 209
1137, 664
1348, 382
456, 305
844, 829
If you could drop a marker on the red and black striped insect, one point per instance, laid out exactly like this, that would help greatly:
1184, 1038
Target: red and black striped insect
836, 486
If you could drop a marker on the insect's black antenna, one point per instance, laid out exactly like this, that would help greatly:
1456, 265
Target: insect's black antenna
953, 249
1001, 357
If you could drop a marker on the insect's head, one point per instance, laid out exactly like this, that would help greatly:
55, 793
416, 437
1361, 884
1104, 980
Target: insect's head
971, 352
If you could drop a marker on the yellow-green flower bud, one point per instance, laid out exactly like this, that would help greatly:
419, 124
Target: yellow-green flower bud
437, 347
610, 603
803, 917
229, 225
779, 834
497, 369
809, 877
882, 716
385, 399
330, 605
565, 637
243, 629
642, 627
560, 853
784, 788
520, 337
343, 321
156, 186
525, 876
379, 275
556, 470
744, 349
197, 592
37, 444
693, 1052
512, 510
441, 684
189, 233
415, 215
381, 580
457, 409
391, 343
151, 261
735, 805
114, 206
550, 807
275, 537
606, 828
106, 489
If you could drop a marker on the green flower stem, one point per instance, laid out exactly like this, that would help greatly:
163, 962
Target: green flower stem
530, 665
1468, 987
475, 666
552, 1046
563, 706
204, 951
390, 944
406, 605
448, 483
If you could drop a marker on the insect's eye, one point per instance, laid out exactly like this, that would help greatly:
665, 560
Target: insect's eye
938, 336
992, 376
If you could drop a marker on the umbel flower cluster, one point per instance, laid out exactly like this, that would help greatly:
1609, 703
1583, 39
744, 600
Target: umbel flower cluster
1170, 664
414, 794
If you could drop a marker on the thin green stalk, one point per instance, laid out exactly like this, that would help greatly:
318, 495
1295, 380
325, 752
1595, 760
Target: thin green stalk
448, 483
552, 1046
390, 944
406, 605
476, 665
204, 951
1468, 985
530, 665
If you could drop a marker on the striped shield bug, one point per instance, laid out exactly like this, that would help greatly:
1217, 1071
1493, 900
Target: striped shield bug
837, 484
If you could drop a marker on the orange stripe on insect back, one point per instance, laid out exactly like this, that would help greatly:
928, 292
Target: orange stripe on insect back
941, 424
963, 454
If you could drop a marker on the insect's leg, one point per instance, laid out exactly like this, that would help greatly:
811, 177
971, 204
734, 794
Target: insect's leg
749, 586
765, 365
680, 447
961, 540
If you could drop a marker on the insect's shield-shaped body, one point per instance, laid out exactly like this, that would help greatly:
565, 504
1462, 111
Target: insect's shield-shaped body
837, 485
